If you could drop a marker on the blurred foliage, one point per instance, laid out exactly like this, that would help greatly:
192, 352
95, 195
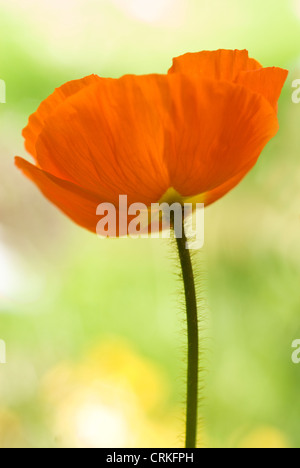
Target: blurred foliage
93, 329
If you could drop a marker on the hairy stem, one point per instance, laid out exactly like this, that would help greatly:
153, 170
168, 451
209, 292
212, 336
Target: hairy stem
193, 340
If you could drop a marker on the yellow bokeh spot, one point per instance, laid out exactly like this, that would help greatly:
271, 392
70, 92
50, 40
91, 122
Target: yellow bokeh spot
112, 398
265, 437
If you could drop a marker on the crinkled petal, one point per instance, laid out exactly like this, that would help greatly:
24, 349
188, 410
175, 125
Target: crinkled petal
218, 64
110, 137
220, 128
267, 81
37, 120
234, 66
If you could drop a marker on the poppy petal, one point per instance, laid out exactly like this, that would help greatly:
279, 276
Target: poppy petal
219, 129
77, 203
113, 138
213, 195
37, 120
219, 64
82, 206
234, 66
266, 81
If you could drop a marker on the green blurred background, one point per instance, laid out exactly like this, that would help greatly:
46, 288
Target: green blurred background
94, 332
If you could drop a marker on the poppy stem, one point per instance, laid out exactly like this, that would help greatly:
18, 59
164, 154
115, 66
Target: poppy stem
193, 339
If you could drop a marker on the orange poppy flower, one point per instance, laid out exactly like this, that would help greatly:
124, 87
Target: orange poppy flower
190, 135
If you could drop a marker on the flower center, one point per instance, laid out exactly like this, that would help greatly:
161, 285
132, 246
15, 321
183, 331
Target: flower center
172, 196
